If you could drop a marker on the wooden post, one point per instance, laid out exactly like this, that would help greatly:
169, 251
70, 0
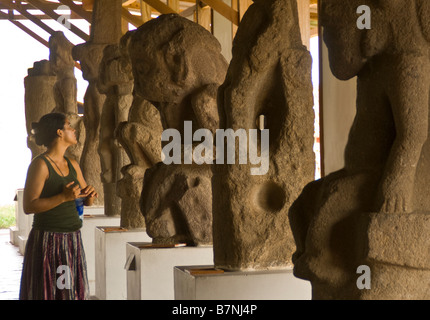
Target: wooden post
204, 15
304, 21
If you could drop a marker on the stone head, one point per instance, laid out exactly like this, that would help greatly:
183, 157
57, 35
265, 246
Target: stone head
349, 46
114, 69
60, 52
172, 56
90, 56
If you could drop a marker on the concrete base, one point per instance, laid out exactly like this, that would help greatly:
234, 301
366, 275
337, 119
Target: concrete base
24, 222
207, 283
93, 219
150, 268
13, 235
110, 255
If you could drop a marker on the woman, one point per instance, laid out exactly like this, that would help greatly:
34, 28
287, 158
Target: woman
54, 261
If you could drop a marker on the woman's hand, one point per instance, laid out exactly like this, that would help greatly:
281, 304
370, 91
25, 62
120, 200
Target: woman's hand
89, 192
71, 191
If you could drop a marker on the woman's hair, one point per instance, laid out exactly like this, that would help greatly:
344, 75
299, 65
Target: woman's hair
45, 131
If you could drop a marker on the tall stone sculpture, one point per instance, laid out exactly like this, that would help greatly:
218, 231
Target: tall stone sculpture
373, 216
117, 84
178, 66
140, 136
105, 30
269, 78
65, 88
39, 99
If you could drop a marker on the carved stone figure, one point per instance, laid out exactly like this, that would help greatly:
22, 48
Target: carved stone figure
65, 88
39, 99
178, 66
375, 211
90, 56
117, 84
105, 30
140, 136
268, 87
62, 64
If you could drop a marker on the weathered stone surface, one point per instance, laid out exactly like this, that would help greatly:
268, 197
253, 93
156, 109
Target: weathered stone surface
270, 76
39, 99
178, 66
177, 202
62, 64
65, 88
105, 30
90, 56
141, 139
374, 211
116, 82
140, 136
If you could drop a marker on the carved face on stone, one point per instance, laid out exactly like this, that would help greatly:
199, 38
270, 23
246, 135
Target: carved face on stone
342, 37
60, 52
172, 56
90, 56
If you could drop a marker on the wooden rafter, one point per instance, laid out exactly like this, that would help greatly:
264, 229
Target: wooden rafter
224, 9
160, 6
41, 6
25, 29
79, 10
134, 20
29, 16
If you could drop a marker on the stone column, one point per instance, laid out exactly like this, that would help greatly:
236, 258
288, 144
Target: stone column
360, 231
105, 30
117, 84
267, 90
65, 88
39, 99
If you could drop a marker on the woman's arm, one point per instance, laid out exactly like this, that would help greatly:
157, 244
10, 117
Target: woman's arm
87, 191
36, 176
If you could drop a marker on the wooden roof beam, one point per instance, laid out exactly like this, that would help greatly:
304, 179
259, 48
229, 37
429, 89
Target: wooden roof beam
79, 10
25, 29
160, 6
133, 19
224, 9
41, 6
29, 16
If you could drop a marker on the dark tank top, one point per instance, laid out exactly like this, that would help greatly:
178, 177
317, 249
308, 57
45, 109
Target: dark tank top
64, 217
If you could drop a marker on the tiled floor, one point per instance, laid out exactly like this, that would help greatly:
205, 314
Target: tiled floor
10, 267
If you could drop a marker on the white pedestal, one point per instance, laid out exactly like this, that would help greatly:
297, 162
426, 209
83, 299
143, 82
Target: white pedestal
91, 222
196, 283
24, 222
110, 254
150, 269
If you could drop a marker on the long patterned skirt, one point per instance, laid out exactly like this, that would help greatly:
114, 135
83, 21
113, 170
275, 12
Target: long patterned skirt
54, 267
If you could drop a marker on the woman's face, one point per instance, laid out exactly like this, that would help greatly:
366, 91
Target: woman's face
69, 133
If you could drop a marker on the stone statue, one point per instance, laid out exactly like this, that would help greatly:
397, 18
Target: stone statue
90, 56
140, 137
62, 64
268, 88
374, 212
117, 84
105, 30
39, 99
65, 88
178, 66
